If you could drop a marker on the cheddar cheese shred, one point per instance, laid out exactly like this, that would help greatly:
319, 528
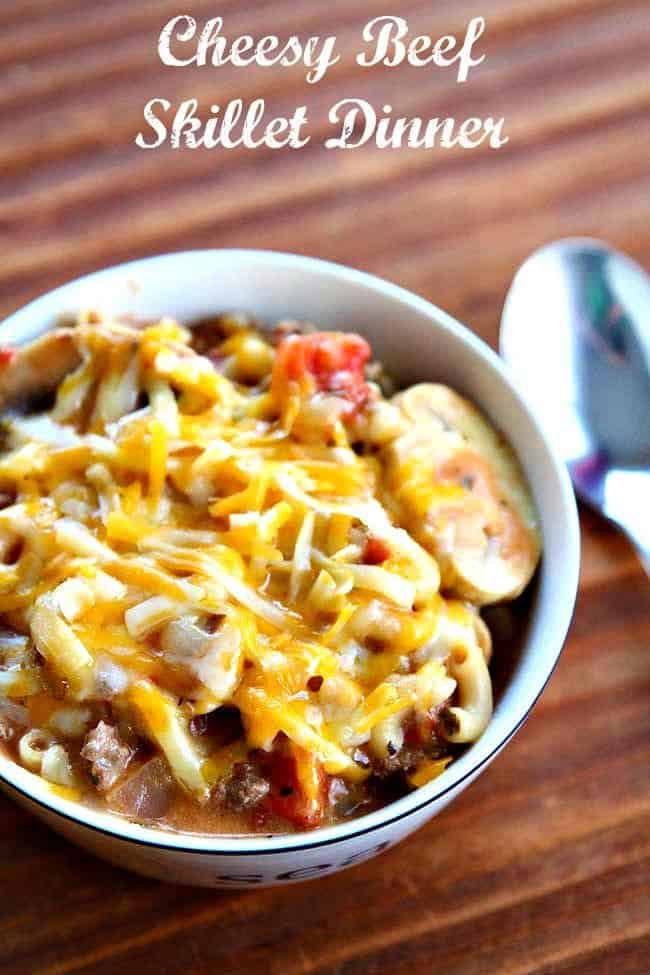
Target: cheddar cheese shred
236, 577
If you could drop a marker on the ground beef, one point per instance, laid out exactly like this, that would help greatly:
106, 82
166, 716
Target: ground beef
347, 798
425, 736
6, 499
447, 723
405, 760
14, 719
206, 334
107, 753
222, 726
243, 788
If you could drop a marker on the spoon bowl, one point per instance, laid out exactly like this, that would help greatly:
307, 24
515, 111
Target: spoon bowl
576, 331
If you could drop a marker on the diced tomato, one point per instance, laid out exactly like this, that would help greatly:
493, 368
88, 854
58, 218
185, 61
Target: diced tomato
335, 362
375, 551
7, 355
298, 786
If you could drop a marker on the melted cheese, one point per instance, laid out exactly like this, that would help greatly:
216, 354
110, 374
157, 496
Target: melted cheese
204, 504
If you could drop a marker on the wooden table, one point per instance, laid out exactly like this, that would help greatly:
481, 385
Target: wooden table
543, 865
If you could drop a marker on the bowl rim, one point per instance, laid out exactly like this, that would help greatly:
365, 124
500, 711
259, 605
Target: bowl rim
28, 785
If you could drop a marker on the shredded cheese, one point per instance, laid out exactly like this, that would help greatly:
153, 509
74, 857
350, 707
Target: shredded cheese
220, 508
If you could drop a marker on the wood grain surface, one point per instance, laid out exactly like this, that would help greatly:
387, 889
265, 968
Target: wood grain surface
543, 866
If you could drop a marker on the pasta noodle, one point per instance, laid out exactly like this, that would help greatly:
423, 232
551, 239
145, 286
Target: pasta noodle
469, 720
223, 551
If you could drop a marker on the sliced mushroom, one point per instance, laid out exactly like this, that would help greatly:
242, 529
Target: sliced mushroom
461, 491
36, 369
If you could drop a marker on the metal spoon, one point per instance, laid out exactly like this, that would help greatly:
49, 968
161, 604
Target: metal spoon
576, 331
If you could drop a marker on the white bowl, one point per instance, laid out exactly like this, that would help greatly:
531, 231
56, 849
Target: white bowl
416, 341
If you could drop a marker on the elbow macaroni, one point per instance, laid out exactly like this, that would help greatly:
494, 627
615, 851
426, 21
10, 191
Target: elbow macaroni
469, 720
196, 532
